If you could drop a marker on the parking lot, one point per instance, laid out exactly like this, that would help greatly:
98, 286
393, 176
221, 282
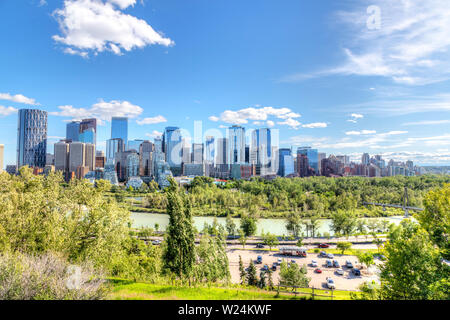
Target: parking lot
344, 282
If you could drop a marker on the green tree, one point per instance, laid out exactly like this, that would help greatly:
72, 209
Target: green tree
343, 246
292, 275
242, 238
365, 258
270, 240
242, 272
252, 279
248, 225
230, 225
179, 249
343, 222
294, 223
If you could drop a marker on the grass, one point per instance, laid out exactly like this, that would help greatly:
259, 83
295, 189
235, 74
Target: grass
351, 252
129, 290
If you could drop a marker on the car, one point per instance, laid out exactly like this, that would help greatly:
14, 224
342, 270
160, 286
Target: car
336, 264
329, 263
330, 284
313, 263
318, 270
324, 245
293, 261
356, 272
340, 272
265, 268
323, 254
260, 245
330, 256
156, 242
349, 264
259, 259
279, 261
274, 266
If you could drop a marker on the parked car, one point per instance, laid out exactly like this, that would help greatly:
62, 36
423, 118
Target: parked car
356, 272
323, 254
349, 264
330, 284
274, 266
259, 259
156, 242
329, 263
324, 245
340, 272
314, 263
260, 245
336, 264
330, 256
318, 270
293, 261
265, 268
279, 261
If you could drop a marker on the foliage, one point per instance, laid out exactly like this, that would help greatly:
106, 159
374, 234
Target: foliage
292, 275
343, 222
252, 279
242, 273
270, 240
248, 225
343, 246
365, 258
230, 226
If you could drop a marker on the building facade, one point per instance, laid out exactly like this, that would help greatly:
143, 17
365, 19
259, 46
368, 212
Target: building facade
32, 138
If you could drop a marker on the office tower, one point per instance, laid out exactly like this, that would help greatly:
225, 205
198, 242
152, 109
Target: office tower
76, 156
61, 151
247, 154
186, 156
222, 151
89, 156
112, 147
119, 129
145, 158
2, 151
261, 148
88, 131
73, 131
236, 141
100, 159
312, 157
197, 153
134, 145
209, 150
172, 145
365, 159
282, 153
132, 165
158, 145
32, 138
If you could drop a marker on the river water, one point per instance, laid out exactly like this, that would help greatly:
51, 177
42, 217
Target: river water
274, 226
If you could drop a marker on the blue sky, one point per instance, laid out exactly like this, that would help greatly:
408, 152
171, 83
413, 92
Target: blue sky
344, 76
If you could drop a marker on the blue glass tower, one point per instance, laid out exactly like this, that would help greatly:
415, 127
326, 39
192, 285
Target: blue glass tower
119, 129
73, 131
172, 144
32, 138
312, 155
285, 162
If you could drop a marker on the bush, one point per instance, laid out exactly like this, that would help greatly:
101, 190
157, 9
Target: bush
47, 277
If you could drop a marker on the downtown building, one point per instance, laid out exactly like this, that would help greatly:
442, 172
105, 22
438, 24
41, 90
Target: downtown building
32, 138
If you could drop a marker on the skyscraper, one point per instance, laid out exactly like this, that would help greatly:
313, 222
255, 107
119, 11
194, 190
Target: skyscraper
88, 131
61, 151
32, 138
222, 151
134, 145
236, 144
197, 153
76, 156
73, 131
89, 156
112, 147
172, 144
365, 159
261, 147
119, 129
283, 155
146, 150
312, 156
210, 150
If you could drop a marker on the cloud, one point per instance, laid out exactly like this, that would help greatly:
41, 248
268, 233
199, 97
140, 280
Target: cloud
154, 134
96, 26
154, 120
315, 125
6, 111
19, 98
101, 110
410, 47
258, 114
355, 117
357, 133
426, 123
42, 3
270, 123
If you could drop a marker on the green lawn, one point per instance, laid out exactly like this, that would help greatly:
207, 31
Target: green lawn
128, 290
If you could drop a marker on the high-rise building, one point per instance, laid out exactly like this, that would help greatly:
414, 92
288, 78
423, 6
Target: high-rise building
365, 159
312, 157
132, 165
73, 131
112, 147
89, 156
320, 157
186, 156
282, 169
262, 149
146, 150
100, 159
172, 146
32, 138
119, 129
222, 151
236, 144
209, 150
197, 153
134, 145
61, 151
158, 144
2, 151
88, 131
76, 156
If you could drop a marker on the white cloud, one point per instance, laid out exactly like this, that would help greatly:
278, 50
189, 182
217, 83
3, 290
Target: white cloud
258, 114
315, 125
6, 111
154, 134
42, 3
19, 98
97, 26
362, 132
101, 110
411, 46
355, 117
426, 123
154, 120
270, 123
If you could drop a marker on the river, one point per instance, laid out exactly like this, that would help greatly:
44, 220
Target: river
274, 226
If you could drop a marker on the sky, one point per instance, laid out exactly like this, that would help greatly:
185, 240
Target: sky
345, 77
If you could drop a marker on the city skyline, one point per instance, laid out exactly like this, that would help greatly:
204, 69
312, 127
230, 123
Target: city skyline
310, 81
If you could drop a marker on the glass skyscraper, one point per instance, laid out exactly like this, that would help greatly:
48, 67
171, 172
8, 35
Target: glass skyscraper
210, 150
172, 144
73, 131
88, 131
119, 129
312, 155
236, 143
261, 146
32, 138
285, 162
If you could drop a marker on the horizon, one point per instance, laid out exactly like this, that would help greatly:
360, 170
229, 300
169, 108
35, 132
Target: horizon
344, 78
